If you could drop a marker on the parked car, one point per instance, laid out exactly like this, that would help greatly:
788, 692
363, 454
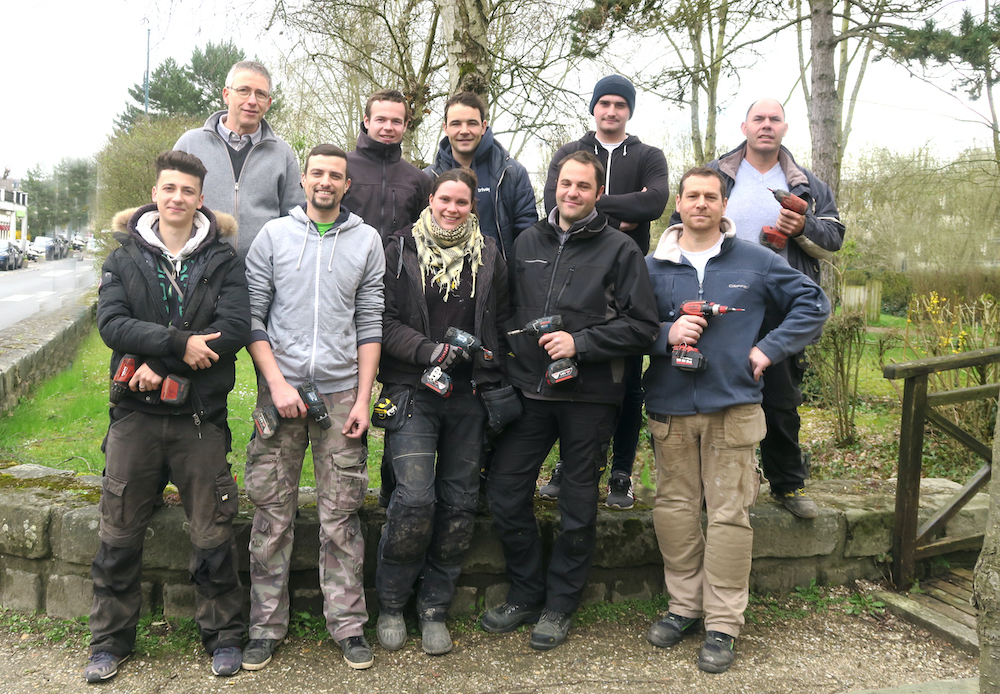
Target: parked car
78, 242
11, 257
62, 247
42, 248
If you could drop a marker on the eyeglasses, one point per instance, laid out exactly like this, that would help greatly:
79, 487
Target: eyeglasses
245, 92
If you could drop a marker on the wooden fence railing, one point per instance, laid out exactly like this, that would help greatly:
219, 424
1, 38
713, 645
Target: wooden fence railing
911, 543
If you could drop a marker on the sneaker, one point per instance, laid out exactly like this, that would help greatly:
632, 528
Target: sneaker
435, 638
391, 631
620, 491
258, 653
551, 630
717, 652
102, 666
670, 630
797, 503
506, 617
550, 492
226, 662
357, 652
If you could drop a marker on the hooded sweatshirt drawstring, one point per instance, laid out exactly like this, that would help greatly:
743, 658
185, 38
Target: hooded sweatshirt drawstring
336, 237
305, 240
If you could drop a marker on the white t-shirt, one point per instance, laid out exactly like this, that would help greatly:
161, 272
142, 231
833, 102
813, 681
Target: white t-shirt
700, 259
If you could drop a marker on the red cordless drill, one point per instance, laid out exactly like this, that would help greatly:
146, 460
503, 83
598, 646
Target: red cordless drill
173, 391
687, 357
561, 370
770, 236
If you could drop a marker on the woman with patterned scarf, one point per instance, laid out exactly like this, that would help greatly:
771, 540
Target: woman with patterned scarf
441, 272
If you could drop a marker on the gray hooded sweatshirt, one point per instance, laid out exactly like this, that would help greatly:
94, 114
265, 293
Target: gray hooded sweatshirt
316, 298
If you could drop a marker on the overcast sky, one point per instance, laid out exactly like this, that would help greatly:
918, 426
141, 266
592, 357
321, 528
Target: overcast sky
68, 66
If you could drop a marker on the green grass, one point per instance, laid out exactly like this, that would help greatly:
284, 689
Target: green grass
64, 420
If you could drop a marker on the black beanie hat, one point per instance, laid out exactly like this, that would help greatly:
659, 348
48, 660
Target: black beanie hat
617, 85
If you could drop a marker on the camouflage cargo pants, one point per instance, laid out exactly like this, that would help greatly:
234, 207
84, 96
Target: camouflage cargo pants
272, 483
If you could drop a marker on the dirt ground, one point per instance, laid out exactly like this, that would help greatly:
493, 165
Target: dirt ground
819, 654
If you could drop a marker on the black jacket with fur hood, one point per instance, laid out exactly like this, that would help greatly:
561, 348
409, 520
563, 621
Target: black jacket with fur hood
133, 317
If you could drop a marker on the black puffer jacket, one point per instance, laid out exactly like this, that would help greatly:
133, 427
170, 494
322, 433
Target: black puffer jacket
386, 191
598, 282
132, 315
405, 325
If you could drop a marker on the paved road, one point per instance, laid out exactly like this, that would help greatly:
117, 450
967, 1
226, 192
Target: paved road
40, 287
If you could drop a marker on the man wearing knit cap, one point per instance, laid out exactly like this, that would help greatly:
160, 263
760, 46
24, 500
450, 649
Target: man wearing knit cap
635, 193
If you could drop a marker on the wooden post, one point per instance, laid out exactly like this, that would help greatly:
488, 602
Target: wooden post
911, 445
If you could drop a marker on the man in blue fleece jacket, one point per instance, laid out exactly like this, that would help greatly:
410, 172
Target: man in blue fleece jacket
706, 424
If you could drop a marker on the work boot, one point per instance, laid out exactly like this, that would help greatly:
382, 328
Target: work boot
102, 666
551, 630
357, 652
435, 638
391, 631
506, 617
797, 503
670, 630
717, 652
620, 491
258, 653
550, 492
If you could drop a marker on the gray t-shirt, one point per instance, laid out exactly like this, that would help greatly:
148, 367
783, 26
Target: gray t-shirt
751, 205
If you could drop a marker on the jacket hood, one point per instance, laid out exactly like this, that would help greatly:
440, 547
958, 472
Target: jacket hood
669, 250
225, 224
373, 149
586, 232
138, 224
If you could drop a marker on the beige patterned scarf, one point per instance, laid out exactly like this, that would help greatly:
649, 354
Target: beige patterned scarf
442, 252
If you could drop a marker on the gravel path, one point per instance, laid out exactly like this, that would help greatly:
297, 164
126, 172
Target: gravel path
818, 654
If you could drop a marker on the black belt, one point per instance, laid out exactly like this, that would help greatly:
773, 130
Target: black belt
656, 417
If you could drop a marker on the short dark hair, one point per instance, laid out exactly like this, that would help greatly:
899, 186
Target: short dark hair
176, 160
461, 174
326, 150
470, 99
582, 156
393, 95
702, 172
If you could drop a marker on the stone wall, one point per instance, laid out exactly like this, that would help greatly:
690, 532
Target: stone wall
49, 521
41, 346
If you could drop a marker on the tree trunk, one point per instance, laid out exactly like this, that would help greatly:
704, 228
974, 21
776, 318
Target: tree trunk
986, 593
469, 66
825, 106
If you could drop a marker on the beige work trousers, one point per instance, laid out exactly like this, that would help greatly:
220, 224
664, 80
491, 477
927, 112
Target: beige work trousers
707, 459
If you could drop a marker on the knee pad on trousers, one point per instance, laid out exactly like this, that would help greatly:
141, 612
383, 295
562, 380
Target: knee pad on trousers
453, 529
116, 569
578, 542
213, 571
408, 532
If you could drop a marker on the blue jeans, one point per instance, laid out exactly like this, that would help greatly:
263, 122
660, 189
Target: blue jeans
430, 517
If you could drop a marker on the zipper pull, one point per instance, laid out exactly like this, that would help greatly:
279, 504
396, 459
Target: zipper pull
197, 423
474, 385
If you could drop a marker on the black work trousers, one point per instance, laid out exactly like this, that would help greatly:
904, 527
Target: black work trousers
429, 521
583, 430
780, 454
137, 448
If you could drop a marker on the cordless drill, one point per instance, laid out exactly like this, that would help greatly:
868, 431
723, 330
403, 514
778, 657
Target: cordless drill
173, 390
315, 407
436, 378
561, 370
770, 236
687, 357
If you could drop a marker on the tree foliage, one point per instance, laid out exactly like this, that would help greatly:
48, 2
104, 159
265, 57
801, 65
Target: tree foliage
126, 164
193, 90
60, 201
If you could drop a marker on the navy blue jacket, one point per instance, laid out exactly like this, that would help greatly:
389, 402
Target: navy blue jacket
743, 275
505, 201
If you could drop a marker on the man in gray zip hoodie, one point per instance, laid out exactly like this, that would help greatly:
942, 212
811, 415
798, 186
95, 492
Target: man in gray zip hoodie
316, 303
252, 173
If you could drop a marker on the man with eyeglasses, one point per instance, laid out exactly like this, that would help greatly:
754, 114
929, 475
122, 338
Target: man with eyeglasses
252, 173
